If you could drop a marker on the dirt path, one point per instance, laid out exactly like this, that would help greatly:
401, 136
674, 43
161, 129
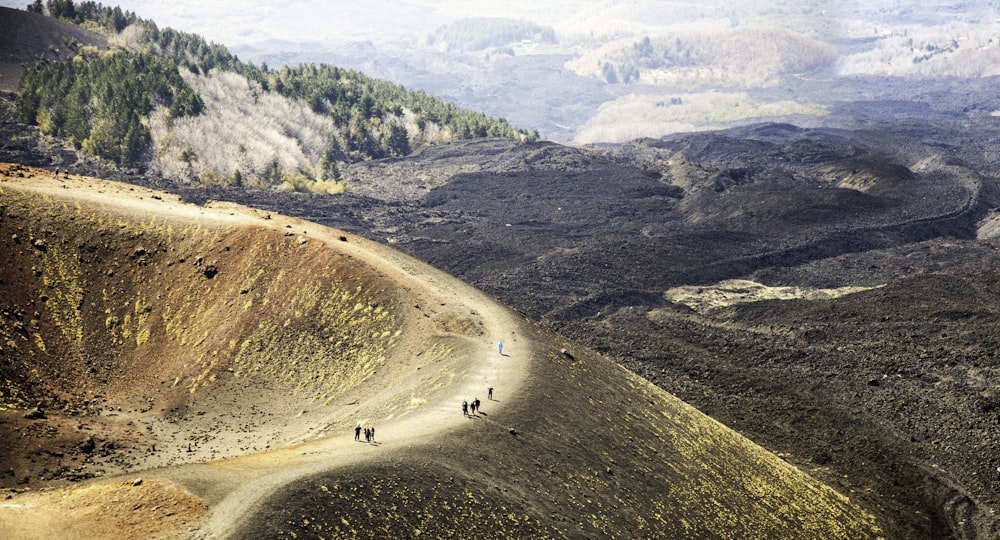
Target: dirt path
233, 488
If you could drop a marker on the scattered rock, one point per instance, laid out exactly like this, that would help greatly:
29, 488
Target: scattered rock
88, 445
35, 414
822, 458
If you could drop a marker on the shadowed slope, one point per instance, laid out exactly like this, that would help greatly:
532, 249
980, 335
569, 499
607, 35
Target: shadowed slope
145, 328
585, 449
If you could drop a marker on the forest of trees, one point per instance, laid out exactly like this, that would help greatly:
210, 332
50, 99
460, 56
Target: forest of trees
85, 14
369, 111
101, 100
98, 102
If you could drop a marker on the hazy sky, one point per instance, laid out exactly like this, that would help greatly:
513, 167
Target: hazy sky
239, 22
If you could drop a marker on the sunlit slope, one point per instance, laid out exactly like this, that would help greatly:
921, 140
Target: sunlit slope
585, 449
165, 314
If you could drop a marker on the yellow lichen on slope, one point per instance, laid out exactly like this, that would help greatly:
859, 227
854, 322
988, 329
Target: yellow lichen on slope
326, 337
64, 289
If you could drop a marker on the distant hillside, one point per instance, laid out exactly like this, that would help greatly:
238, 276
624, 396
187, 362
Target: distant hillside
741, 58
477, 34
193, 122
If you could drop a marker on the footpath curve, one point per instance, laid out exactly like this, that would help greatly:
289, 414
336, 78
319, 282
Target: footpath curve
233, 488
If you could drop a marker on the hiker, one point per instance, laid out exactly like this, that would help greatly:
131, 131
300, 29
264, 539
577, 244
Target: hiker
357, 432
465, 408
475, 404
373, 434
472, 407
489, 392
500, 348
368, 435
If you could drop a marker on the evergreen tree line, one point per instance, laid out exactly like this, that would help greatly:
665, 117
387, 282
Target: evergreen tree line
110, 19
370, 112
192, 52
100, 101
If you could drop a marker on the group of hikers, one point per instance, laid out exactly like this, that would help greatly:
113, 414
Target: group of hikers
369, 433
469, 409
470, 406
